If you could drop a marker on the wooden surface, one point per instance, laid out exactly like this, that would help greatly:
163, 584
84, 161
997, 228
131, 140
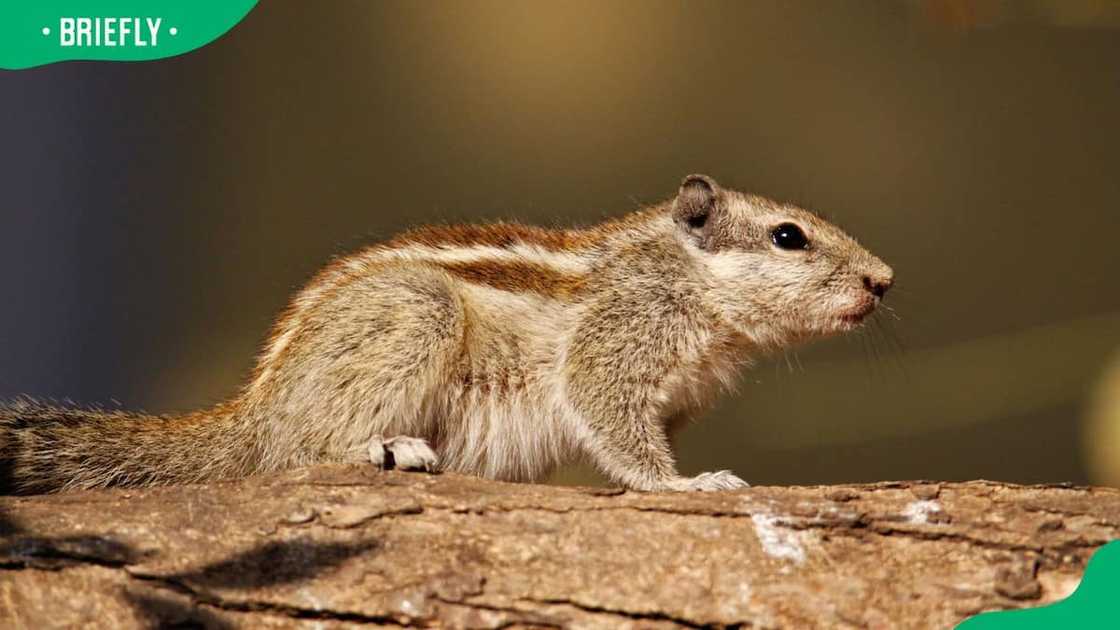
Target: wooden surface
345, 546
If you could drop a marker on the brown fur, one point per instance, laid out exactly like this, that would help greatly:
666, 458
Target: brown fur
519, 277
495, 235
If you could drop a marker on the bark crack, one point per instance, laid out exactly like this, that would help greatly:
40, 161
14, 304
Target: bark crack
628, 614
521, 616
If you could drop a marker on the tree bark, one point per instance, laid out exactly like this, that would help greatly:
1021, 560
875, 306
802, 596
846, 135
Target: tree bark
341, 546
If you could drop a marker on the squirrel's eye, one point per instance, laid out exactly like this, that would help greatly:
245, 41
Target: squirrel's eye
789, 236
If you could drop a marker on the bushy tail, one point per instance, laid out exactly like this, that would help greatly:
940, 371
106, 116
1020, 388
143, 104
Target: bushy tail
45, 448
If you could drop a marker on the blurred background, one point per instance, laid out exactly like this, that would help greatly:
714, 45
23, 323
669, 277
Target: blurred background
155, 217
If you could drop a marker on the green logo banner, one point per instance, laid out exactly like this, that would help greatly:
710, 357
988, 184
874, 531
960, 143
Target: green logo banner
1095, 603
37, 32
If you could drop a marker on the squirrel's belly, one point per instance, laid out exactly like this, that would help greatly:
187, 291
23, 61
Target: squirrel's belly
514, 435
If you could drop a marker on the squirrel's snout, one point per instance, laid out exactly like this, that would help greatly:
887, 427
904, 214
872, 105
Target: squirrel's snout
878, 285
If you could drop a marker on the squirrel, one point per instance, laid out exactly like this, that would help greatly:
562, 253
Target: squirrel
498, 350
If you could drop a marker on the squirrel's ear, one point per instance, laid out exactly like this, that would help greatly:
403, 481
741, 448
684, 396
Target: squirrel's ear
697, 201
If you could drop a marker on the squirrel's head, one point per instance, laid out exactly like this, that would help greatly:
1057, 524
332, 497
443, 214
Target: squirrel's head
776, 272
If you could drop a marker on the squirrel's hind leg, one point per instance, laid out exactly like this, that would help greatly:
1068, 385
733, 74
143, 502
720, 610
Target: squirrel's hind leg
374, 358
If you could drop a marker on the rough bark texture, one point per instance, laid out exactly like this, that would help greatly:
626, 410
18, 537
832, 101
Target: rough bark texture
343, 546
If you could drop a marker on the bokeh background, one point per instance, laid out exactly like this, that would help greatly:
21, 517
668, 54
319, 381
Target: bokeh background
154, 217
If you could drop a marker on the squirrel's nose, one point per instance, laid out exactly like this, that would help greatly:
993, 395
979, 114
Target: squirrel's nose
878, 286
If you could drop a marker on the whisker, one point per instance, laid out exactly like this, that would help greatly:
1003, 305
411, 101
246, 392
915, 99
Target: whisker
895, 346
876, 343
868, 358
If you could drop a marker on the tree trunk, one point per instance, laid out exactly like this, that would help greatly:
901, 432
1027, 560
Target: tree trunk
347, 545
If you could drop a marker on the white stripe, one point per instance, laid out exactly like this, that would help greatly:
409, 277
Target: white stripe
562, 261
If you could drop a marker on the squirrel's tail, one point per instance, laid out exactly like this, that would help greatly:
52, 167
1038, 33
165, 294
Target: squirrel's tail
45, 448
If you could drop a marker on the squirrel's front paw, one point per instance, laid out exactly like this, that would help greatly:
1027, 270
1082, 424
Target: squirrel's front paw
710, 482
402, 452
